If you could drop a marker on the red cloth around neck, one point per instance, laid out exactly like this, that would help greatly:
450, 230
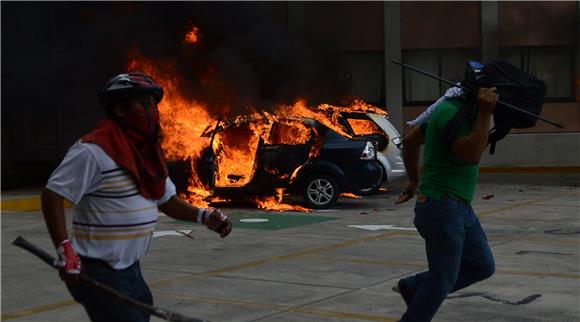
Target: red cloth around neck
143, 158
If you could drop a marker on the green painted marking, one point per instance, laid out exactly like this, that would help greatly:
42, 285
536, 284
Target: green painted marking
275, 220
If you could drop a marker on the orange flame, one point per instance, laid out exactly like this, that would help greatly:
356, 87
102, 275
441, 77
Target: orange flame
275, 203
349, 195
192, 36
235, 156
289, 132
362, 127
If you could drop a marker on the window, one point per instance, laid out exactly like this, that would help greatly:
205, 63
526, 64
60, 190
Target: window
553, 65
363, 126
419, 89
288, 132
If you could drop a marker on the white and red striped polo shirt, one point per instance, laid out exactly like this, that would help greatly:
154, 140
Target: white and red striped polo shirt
112, 220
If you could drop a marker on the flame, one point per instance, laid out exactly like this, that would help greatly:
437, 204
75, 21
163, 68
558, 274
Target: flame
362, 127
277, 173
186, 122
236, 157
218, 199
192, 36
275, 203
327, 115
349, 195
289, 132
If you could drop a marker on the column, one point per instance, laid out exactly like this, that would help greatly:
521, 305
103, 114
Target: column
393, 82
489, 31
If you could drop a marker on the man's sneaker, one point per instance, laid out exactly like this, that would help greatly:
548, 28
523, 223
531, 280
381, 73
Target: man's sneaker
403, 288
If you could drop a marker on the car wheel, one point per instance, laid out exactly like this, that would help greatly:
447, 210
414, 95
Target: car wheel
320, 191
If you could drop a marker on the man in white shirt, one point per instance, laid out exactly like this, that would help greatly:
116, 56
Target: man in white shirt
117, 179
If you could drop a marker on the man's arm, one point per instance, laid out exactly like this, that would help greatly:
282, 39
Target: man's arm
68, 260
412, 142
179, 209
470, 148
53, 210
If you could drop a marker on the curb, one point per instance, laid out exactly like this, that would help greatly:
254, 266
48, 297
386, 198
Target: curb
26, 204
530, 170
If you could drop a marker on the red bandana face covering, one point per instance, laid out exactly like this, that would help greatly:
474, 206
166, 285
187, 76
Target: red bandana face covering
142, 126
133, 143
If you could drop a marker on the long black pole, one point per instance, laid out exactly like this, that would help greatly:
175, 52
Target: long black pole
470, 91
159, 312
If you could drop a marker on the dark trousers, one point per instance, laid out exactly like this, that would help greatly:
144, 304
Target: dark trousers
457, 253
102, 307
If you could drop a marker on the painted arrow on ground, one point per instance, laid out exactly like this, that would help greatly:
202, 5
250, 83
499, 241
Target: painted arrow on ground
380, 227
183, 232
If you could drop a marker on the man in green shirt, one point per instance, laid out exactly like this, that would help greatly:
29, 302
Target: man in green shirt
457, 250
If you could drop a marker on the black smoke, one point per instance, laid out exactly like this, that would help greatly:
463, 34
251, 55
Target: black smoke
247, 57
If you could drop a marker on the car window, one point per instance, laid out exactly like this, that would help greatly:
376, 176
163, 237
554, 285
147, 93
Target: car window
363, 126
290, 132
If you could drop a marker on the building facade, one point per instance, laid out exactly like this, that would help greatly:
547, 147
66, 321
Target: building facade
56, 55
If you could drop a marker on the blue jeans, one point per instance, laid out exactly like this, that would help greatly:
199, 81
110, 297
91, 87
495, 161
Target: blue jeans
457, 253
102, 307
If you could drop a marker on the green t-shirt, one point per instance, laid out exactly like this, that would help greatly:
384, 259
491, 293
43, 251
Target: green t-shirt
443, 171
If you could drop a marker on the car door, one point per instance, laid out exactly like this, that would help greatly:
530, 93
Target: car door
229, 162
286, 148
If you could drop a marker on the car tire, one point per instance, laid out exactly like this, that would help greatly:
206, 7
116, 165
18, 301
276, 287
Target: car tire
320, 191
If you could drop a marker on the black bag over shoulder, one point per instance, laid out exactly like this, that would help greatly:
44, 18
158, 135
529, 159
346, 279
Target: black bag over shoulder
514, 86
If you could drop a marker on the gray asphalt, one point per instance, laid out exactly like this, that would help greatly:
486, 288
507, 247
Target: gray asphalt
328, 271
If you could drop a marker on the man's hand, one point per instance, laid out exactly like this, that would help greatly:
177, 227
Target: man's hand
179, 209
68, 261
412, 142
215, 220
487, 99
408, 193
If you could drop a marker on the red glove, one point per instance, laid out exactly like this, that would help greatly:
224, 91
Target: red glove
68, 259
215, 220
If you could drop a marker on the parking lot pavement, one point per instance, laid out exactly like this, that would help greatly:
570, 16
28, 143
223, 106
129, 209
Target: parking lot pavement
318, 267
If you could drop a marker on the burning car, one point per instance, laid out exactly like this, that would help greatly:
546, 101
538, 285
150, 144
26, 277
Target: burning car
247, 156
291, 155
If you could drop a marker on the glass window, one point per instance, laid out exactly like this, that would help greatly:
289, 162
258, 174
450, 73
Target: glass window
288, 132
363, 126
419, 89
553, 65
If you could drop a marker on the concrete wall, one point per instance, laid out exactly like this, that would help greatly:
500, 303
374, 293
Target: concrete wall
440, 24
537, 23
537, 150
